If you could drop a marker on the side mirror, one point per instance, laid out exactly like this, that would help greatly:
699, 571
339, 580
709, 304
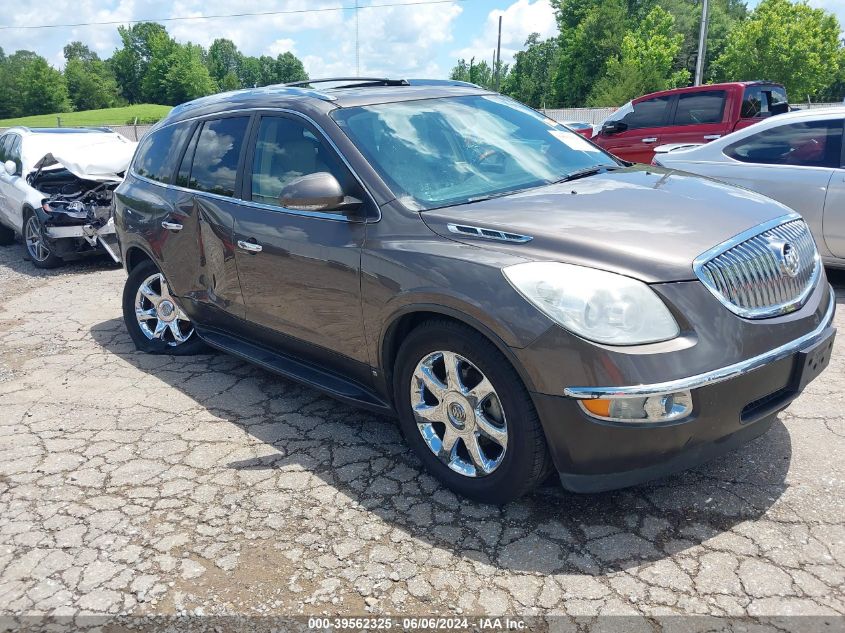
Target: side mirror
316, 192
10, 167
614, 127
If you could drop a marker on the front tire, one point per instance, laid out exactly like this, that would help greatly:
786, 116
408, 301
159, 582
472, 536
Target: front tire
37, 247
156, 324
467, 415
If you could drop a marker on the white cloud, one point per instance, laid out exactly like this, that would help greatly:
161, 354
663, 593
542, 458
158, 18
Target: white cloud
394, 41
283, 45
519, 20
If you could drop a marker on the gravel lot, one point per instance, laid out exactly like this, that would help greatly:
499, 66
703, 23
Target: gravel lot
140, 484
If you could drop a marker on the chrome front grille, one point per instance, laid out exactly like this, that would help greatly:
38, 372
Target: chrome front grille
766, 271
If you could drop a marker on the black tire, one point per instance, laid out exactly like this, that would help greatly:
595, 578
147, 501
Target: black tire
7, 236
193, 344
526, 462
35, 254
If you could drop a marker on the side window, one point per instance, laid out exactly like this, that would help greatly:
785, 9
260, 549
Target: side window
286, 149
700, 107
14, 153
761, 101
157, 156
5, 142
648, 113
218, 150
808, 144
183, 178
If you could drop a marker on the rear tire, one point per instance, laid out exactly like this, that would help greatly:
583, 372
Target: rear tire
37, 247
483, 402
154, 321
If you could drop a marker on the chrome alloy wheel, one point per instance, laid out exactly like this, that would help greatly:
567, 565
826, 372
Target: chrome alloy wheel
459, 414
158, 315
35, 245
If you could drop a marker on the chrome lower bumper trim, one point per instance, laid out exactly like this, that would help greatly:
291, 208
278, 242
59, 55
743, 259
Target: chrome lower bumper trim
711, 377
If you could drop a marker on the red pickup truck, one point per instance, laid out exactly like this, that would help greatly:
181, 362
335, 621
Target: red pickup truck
697, 114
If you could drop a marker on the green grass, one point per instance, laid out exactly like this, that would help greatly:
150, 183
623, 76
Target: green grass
146, 113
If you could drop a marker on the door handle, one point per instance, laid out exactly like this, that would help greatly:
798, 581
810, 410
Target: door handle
712, 137
650, 139
251, 247
171, 226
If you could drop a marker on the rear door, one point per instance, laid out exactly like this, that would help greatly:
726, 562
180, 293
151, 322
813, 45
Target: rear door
699, 117
5, 181
645, 125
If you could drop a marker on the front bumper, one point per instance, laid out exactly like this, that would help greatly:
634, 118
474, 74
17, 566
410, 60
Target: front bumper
731, 406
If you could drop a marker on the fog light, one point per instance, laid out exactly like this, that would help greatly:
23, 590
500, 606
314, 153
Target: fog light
662, 408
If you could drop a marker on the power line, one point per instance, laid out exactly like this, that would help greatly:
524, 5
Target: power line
230, 15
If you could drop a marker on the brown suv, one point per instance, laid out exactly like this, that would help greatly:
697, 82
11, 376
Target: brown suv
520, 299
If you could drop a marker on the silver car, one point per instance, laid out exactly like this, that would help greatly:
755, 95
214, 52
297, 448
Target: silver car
795, 158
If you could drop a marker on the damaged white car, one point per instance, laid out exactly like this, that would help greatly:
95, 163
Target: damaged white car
56, 187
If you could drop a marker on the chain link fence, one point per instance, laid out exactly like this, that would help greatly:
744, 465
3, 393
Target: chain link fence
564, 115
132, 132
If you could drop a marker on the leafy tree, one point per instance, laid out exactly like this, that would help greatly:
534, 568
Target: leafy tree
249, 72
787, 42
130, 63
724, 15
289, 68
529, 80
34, 86
645, 63
480, 74
224, 60
186, 77
591, 33
90, 81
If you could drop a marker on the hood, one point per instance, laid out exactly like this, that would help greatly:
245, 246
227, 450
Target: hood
644, 222
103, 161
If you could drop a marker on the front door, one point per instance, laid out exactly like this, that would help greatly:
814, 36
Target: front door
644, 125
299, 270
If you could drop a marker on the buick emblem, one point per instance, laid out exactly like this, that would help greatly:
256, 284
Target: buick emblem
788, 258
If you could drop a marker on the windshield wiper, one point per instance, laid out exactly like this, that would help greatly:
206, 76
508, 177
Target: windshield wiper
587, 171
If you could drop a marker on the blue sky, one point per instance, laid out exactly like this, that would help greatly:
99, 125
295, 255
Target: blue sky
409, 41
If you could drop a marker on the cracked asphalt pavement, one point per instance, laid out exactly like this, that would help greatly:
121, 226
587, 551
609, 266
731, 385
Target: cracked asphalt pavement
140, 484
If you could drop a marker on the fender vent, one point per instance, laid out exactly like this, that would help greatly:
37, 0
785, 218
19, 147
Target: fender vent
488, 234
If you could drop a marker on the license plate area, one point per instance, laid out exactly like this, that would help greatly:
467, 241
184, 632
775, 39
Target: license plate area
810, 362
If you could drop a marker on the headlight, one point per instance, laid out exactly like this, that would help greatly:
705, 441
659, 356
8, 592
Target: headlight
594, 304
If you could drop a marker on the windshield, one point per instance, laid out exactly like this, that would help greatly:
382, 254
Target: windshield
441, 152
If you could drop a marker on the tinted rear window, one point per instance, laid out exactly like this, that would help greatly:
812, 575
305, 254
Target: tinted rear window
156, 158
700, 107
217, 154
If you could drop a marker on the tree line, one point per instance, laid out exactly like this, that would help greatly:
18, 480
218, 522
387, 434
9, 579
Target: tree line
148, 67
610, 51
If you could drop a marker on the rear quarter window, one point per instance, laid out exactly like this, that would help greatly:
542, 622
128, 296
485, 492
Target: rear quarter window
803, 144
160, 151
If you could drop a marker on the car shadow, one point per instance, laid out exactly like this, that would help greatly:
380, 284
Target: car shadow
15, 258
551, 530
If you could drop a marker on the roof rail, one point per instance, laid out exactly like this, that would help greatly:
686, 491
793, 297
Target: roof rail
358, 82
